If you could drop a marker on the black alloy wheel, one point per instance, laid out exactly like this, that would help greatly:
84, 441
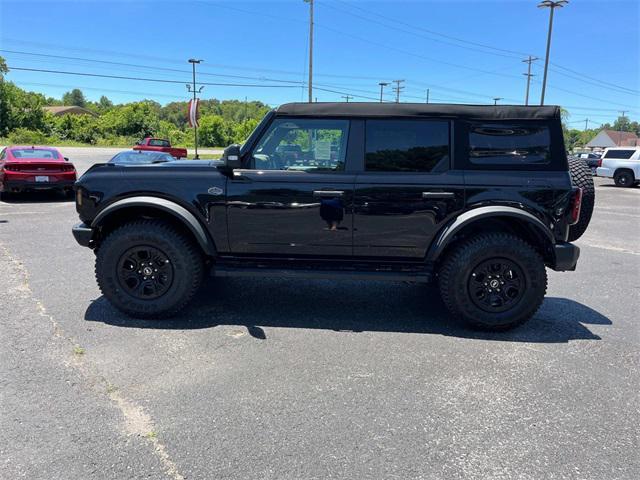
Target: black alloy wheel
145, 272
496, 285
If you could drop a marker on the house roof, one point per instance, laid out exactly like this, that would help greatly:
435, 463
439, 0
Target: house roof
613, 138
373, 109
69, 110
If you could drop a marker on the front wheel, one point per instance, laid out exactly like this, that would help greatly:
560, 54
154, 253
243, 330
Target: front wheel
148, 269
493, 281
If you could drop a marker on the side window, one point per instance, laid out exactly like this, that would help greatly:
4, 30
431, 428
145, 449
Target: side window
3, 154
407, 146
303, 145
158, 143
620, 154
509, 144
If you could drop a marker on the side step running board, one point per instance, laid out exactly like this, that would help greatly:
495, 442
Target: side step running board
228, 271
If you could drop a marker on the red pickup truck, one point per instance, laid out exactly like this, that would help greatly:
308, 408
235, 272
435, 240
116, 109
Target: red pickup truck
160, 145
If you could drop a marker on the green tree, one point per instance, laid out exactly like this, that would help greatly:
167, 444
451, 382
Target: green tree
138, 119
214, 131
104, 104
74, 97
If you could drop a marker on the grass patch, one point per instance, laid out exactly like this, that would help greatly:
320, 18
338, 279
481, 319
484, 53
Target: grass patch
78, 350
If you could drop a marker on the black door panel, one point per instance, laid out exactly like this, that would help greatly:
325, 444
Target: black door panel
397, 215
290, 213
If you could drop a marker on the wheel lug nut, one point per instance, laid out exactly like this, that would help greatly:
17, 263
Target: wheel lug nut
155, 269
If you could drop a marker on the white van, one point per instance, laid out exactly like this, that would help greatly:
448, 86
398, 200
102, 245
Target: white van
622, 164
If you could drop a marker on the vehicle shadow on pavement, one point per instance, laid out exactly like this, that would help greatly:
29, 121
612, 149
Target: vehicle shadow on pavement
352, 307
36, 197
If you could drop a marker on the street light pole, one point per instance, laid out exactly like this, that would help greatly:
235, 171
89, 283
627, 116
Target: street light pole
495, 100
382, 85
193, 62
552, 4
310, 2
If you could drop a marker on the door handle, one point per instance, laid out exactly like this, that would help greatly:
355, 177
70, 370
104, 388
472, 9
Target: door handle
430, 195
327, 193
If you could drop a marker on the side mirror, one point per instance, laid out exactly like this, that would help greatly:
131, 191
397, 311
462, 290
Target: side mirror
66, 159
231, 156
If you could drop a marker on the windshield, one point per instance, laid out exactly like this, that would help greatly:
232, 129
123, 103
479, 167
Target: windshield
43, 153
142, 157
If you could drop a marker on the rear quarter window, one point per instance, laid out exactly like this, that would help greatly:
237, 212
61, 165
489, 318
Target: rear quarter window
620, 154
509, 144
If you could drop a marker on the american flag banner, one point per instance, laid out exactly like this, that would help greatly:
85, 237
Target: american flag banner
192, 113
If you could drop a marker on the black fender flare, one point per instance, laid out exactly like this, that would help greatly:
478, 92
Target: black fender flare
476, 214
179, 212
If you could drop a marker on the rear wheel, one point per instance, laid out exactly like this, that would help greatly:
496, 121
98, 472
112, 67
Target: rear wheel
148, 269
624, 178
582, 177
493, 281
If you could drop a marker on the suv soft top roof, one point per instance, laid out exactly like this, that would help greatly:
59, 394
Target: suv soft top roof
375, 109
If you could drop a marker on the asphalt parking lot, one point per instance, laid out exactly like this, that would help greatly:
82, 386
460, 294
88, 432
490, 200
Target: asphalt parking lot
277, 379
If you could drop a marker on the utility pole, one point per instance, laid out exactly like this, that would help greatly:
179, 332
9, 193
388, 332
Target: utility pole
586, 124
310, 2
195, 91
398, 89
428, 89
495, 100
382, 85
528, 75
622, 113
347, 97
551, 4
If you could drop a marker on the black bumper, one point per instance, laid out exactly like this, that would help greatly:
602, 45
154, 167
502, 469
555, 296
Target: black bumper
83, 234
566, 255
20, 186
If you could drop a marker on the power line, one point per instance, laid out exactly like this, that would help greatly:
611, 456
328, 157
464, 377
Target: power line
432, 32
594, 79
159, 80
581, 77
510, 55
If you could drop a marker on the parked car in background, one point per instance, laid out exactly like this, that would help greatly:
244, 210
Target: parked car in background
622, 164
592, 160
25, 168
160, 145
138, 157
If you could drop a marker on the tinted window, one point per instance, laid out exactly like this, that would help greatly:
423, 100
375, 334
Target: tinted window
622, 154
34, 153
407, 146
303, 145
509, 144
159, 143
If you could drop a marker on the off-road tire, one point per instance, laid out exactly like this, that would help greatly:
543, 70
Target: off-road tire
624, 178
184, 257
455, 275
582, 177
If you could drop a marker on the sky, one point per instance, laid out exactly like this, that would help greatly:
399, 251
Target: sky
462, 51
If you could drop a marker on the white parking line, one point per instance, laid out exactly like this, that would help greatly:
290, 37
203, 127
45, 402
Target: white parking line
611, 248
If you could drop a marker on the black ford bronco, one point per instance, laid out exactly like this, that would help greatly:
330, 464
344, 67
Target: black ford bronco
479, 198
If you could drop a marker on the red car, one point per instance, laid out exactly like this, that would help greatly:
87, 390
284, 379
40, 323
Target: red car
35, 168
160, 145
